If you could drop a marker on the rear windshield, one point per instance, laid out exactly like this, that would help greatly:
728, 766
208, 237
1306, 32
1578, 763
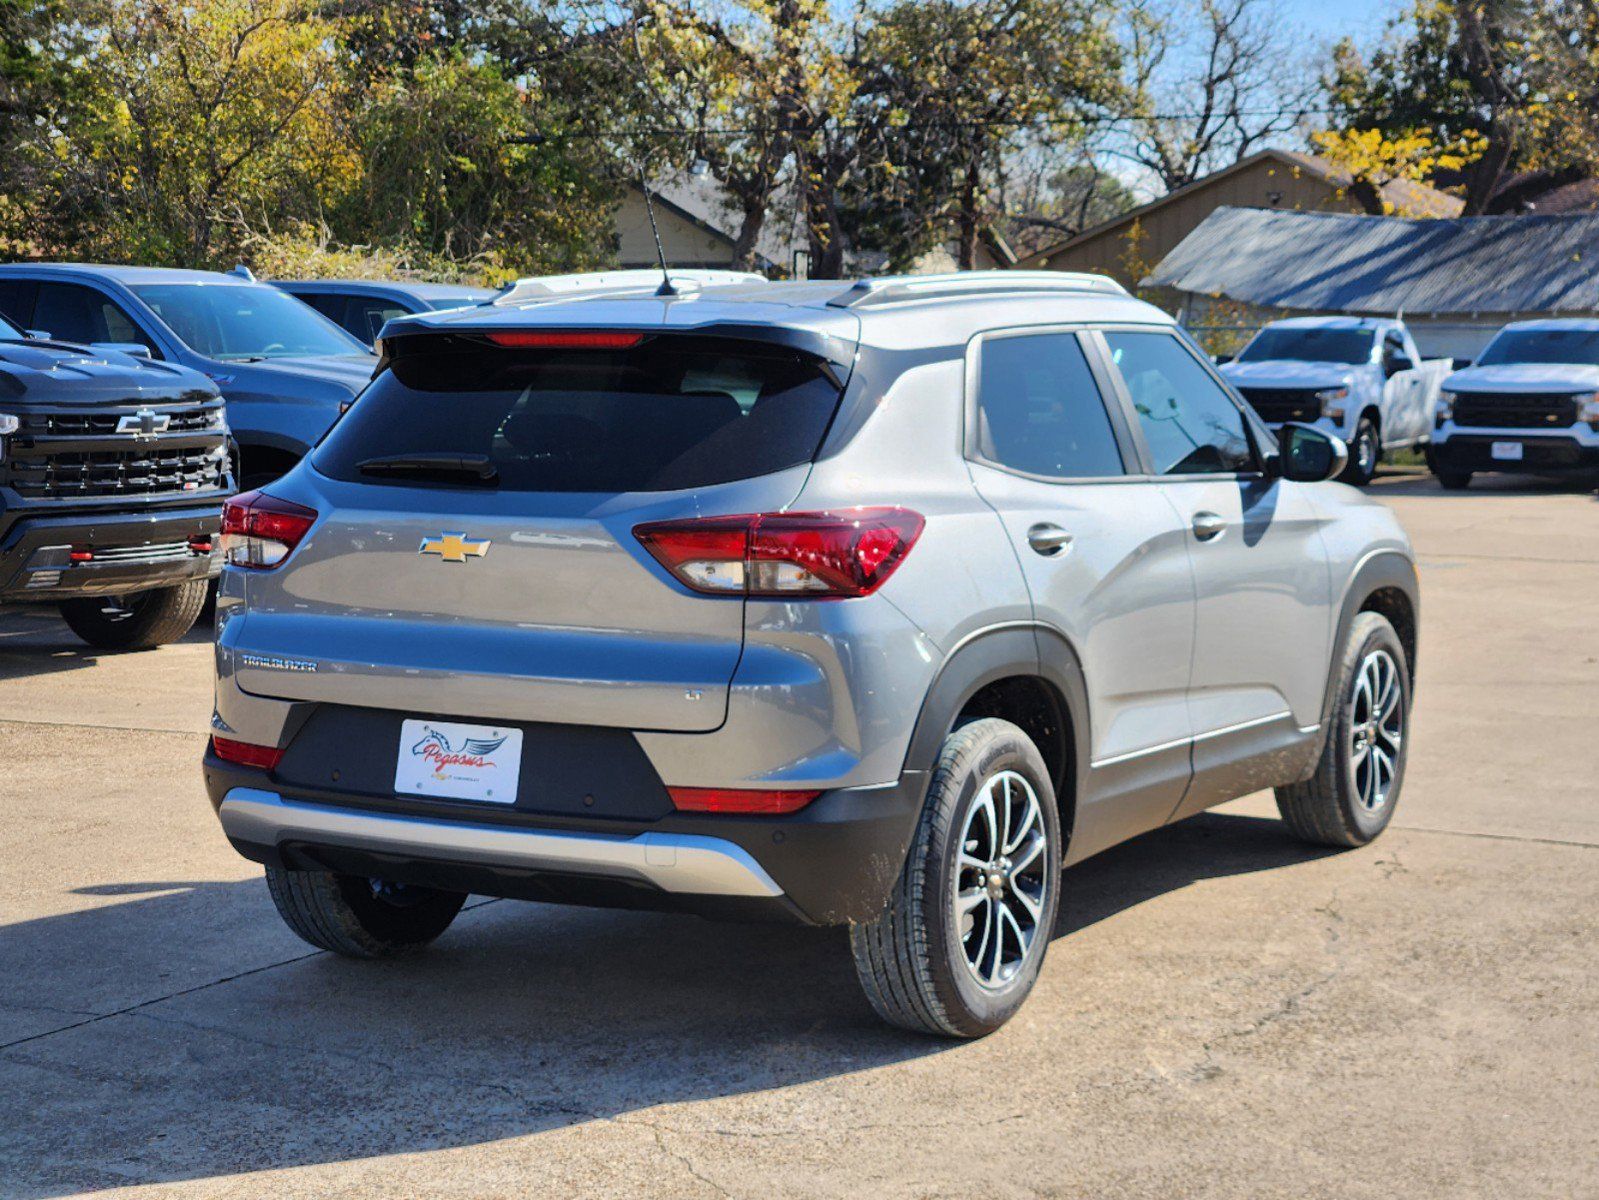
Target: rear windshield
672, 412
1310, 345
1569, 346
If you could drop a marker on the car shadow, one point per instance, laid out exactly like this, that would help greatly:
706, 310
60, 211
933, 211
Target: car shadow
235, 1049
35, 641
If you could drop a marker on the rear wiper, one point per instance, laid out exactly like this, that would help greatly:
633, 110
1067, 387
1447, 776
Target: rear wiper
476, 467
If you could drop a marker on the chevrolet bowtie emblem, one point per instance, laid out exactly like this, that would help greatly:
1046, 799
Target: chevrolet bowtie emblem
454, 547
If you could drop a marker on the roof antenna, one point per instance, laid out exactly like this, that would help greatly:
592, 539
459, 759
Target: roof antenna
666, 288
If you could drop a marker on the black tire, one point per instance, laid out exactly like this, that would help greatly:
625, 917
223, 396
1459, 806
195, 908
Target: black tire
1332, 807
139, 621
358, 917
1365, 452
913, 960
1453, 481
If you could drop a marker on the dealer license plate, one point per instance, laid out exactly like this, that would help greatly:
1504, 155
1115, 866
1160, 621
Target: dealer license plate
459, 762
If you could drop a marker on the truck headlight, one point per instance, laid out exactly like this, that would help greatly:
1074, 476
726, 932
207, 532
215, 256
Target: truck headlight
1587, 409
1332, 402
1445, 410
9, 424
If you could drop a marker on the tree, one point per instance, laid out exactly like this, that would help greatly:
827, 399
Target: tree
186, 118
951, 92
1505, 86
1206, 83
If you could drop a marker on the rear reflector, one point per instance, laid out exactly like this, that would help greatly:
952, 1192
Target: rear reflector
566, 339
739, 800
247, 754
259, 531
824, 555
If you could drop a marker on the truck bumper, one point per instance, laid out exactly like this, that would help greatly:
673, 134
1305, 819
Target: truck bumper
1541, 454
49, 556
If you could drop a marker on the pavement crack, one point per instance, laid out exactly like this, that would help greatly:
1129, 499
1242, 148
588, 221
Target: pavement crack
1291, 1004
687, 1163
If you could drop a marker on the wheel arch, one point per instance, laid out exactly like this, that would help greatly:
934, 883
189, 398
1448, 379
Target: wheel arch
1384, 582
1025, 673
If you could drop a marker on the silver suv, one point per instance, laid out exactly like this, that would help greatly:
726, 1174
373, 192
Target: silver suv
870, 604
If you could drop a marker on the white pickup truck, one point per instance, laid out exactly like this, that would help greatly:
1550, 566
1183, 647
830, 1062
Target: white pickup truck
1530, 404
1358, 377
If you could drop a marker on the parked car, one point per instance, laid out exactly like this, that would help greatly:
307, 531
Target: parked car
867, 605
1530, 404
1361, 378
284, 369
113, 470
360, 307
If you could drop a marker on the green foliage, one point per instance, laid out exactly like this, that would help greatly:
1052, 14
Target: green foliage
1504, 88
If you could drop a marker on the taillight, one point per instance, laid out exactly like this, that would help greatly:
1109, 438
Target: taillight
259, 531
750, 801
825, 555
247, 754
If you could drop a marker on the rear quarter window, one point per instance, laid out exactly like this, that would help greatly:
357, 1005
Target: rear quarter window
671, 413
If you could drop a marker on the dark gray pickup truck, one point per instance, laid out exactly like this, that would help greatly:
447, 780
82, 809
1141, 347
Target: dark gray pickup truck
113, 469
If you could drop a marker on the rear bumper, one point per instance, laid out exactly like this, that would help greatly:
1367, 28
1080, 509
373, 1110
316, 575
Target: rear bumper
142, 550
671, 862
1542, 454
832, 863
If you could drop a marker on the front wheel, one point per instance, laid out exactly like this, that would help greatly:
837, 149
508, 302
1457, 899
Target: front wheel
138, 621
964, 935
1453, 481
1351, 797
1365, 449
359, 917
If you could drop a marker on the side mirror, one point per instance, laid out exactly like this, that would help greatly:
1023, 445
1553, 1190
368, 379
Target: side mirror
1308, 455
131, 349
38, 335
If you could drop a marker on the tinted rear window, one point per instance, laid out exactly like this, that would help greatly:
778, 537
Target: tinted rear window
671, 413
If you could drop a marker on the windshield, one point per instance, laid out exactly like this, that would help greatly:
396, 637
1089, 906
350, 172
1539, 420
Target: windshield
1310, 345
663, 414
245, 322
1543, 346
9, 332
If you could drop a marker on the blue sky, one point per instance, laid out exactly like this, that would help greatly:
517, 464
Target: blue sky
1332, 19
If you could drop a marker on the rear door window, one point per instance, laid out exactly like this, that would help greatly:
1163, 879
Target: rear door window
1039, 410
72, 312
668, 413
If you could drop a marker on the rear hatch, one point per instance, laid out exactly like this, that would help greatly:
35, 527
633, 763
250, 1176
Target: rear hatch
473, 553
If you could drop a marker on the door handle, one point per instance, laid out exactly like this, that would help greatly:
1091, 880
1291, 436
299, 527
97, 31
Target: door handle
1209, 526
1047, 539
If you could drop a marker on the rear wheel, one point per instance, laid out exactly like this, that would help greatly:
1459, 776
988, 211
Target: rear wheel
1351, 797
359, 917
1365, 450
137, 621
964, 935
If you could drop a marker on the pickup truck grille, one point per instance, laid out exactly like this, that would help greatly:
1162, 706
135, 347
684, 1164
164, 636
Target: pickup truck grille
70, 454
1276, 405
1515, 410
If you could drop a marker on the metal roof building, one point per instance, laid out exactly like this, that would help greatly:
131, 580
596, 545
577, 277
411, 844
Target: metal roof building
1455, 281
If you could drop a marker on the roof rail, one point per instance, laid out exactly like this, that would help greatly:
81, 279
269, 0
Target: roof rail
551, 287
893, 289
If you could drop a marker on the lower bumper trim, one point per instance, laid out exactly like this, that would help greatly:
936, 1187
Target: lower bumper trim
673, 862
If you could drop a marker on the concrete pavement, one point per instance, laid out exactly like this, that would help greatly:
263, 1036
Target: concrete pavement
1224, 1012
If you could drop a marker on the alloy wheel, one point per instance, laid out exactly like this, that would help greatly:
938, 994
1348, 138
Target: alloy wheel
1002, 879
1376, 729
